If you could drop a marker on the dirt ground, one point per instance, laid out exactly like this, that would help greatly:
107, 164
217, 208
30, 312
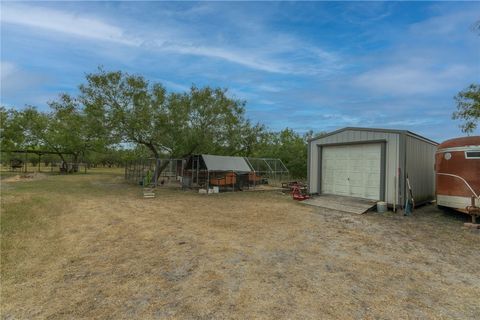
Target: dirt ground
90, 247
25, 177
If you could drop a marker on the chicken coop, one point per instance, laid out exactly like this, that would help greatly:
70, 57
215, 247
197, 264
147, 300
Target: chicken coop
140, 170
225, 173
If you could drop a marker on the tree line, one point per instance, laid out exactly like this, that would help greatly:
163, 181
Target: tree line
119, 116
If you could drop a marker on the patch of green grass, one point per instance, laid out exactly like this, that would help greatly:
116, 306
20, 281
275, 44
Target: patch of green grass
24, 221
78, 185
22, 215
7, 174
30, 211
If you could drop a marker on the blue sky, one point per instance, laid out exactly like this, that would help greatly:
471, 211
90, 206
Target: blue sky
305, 65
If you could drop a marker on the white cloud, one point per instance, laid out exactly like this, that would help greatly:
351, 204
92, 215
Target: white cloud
7, 69
432, 57
414, 122
266, 101
343, 119
174, 85
364, 13
260, 56
16, 82
446, 25
411, 78
13, 78
268, 88
63, 22
235, 56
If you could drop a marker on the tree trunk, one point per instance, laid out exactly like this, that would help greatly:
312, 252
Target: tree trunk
160, 169
75, 163
152, 148
64, 167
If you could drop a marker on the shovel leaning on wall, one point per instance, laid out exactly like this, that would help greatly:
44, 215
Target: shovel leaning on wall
409, 200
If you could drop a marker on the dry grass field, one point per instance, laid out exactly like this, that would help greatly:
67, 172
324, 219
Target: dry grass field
90, 247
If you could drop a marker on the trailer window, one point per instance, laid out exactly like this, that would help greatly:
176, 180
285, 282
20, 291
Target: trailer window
472, 154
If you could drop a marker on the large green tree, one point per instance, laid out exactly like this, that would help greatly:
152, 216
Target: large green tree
65, 130
203, 120
468, 108
10, 134
116, 110
22, 129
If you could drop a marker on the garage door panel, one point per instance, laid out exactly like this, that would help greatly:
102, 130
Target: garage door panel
373, 180
371, 165
352, 170
372, 193
341, 190
357, 167
358, 192
356, 179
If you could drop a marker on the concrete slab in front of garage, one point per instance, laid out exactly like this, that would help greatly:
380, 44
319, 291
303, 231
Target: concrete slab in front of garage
341, 203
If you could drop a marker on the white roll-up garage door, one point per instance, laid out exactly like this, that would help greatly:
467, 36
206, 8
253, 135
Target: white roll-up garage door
352, 170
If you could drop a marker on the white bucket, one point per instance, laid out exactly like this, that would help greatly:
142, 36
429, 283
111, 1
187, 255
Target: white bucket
216, 189
381, 207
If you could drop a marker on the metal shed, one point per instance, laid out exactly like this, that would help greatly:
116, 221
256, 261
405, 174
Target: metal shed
372, 164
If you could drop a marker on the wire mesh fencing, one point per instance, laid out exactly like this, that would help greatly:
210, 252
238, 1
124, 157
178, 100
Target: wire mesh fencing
159, 171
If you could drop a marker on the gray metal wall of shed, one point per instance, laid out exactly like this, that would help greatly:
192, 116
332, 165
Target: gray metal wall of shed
355, 136
420, 161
